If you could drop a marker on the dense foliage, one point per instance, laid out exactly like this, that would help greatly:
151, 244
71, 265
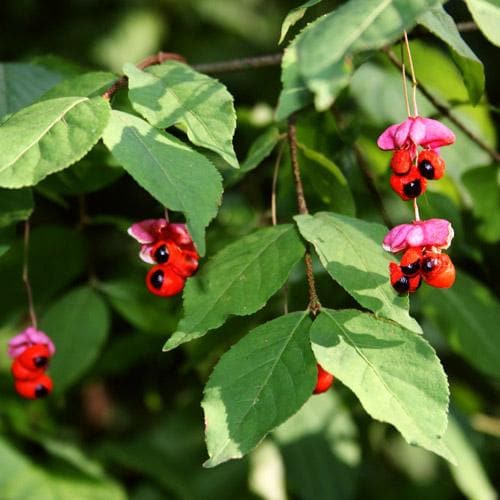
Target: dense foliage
208, 394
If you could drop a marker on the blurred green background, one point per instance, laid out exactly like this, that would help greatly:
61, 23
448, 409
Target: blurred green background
129, 424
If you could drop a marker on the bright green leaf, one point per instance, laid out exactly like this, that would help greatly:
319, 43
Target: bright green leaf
326, 47
178, 177
441, 24
22, 84
351, 251
78, 324
395, 374
486, 14
467, 314
239, 280
172, 93
260, 382
294, 16
15, 205
49, 136
87, 85
483, 184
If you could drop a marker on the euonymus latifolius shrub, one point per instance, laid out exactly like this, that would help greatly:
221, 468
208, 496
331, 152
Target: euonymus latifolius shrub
278, 252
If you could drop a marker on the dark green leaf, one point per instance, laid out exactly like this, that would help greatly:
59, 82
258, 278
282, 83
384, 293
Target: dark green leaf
178, 177
466, 314
86, 85
486, 14
260, 382
395, 374
326, 47
49, 136
294, 16
78, 324
173, 93
351, 251
261, 149
239, 280
15, 205
439, 22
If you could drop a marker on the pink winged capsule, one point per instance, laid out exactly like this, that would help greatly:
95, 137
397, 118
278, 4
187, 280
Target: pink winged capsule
436, 233
416, 131
27, 338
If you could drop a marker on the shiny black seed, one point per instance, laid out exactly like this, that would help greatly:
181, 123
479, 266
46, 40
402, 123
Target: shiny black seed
426, 169
429, 264
402, 285
156, 279
411, 269
412, 189
40, 361
161, 254
41, 391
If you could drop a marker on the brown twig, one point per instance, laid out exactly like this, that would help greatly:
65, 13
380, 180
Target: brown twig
26, 279
240, 64
446, 111
149, 61
314, 303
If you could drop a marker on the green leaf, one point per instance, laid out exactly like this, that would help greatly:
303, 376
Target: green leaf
486, 14
174, 94
78, 324
22, 84
469, 473
466, 314
15, 205
178, 177
87, 85
261, 149
20, 478
260, 382
395, 374
351, 251
483, 185
294, 16
326, 47
239, 280
49, 136
442, 25
326, 180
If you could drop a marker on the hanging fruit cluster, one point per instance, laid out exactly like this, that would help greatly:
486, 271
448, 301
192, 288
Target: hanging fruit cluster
31, 351
170, 248
415, 145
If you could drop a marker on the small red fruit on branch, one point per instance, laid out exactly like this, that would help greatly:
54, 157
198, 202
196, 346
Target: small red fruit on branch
324, 380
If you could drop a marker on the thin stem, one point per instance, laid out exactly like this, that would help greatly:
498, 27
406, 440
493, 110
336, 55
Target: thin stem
405, 88
415, 209
240, 64
26, 278
413, 77
314, 303
167, 217
446, 111
274, 216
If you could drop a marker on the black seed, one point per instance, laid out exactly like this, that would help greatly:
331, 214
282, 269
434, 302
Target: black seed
41, 391
411, 268
40, 361
429, 264
402, 285
426, 169
156, 279
412, 189
161, 254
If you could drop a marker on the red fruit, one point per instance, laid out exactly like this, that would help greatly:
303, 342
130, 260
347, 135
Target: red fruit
401, 283
410, 262
34, 389
19, 372
438, 270
184, 261
164, 281
409, 186
401, 161
430, 164
324, 381
35, 357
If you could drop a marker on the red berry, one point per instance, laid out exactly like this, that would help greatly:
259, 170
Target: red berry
19, 372
410, 262
438, 270
430, 164
34, 389
35, 357
164, 281
402, 283
401, 161
409, 186
324, 380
